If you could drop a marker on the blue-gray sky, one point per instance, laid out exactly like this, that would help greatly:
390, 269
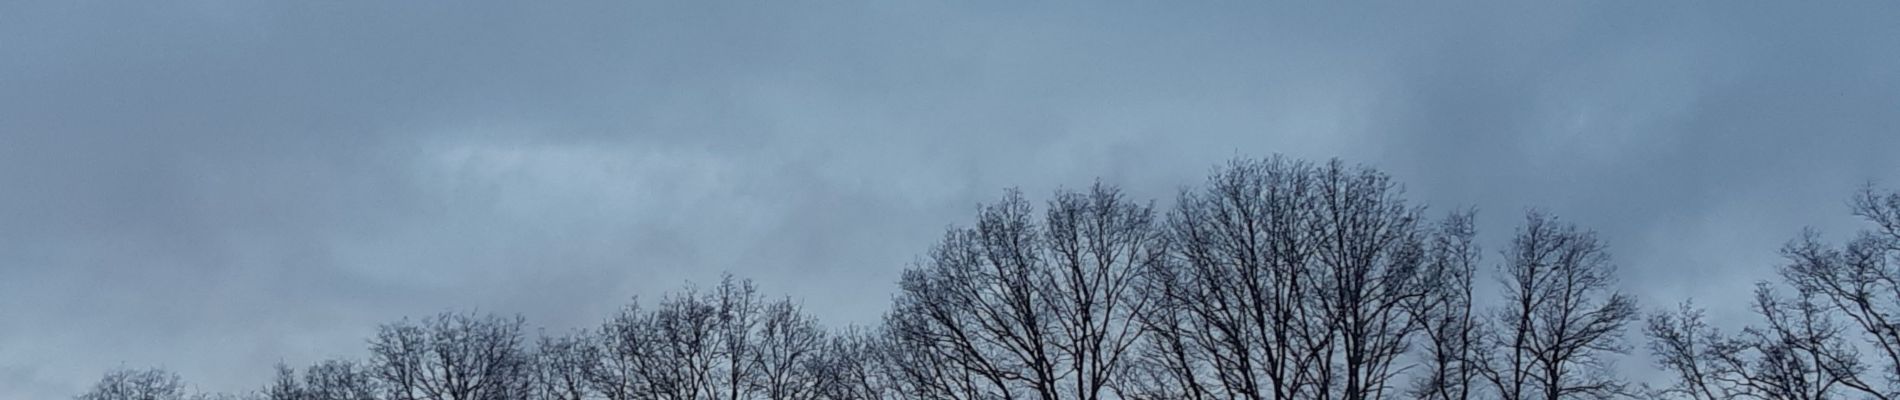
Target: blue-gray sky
214, 186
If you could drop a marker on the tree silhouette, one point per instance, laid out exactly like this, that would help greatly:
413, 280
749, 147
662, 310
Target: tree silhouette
1027, 306
147, 384
1561, 316
1811, 344
1450, 326
452, 356
339, 380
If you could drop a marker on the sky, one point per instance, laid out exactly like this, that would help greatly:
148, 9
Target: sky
215, 186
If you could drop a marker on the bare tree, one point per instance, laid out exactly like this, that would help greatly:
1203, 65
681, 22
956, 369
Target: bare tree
738, 304
396, 355
932, 359
147, 384
705, 342
971, 314
1368, 252
1705, 362
720, 344
855, 360
1802, 352
684, 334
1798, 355
339, 380
285, 386
561, 366
1858, 281
452, 356
623, 363
1287, 281
1446, 314
1101, 244
1168, 363
789, 361
1021, 306
1236, 319
1561, 316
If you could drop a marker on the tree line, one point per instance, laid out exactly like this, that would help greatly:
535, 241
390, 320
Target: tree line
1273, 279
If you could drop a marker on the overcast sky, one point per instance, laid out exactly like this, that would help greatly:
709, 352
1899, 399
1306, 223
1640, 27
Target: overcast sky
215, 186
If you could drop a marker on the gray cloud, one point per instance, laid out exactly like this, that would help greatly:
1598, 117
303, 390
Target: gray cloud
216, 186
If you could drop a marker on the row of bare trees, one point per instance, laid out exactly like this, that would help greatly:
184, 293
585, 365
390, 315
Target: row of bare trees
1275, 279
1830, 329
